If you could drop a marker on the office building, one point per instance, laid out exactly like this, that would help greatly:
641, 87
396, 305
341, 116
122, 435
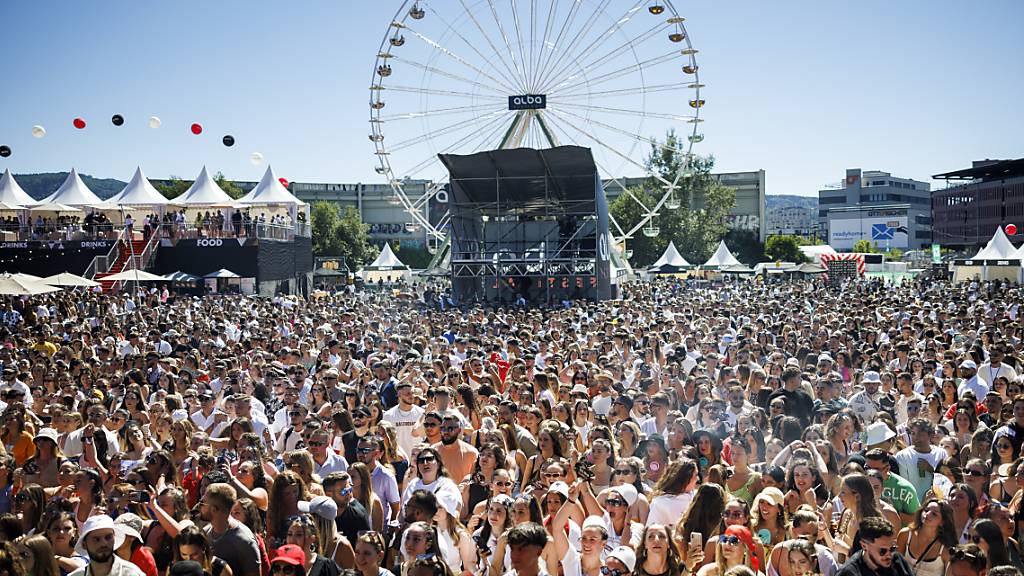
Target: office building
793, 221
979, 199
876, 206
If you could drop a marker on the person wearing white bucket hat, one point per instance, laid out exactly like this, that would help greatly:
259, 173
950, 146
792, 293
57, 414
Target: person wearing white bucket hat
100, 538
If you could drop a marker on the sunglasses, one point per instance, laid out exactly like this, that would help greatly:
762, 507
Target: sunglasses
886, 551
976, 473
449, 428
623, 472
281, 567
615, 502
430, 425
730, 540
426, 460
317, 443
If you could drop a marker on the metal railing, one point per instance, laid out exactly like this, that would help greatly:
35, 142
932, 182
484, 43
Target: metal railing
102, 264
50, 231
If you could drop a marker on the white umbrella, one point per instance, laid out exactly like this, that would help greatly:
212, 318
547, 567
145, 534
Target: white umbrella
11, 286
134, 275
26, 277
68, 279
222, 273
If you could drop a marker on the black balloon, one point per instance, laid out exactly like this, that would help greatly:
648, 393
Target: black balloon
229, 140
5, 151
117, 119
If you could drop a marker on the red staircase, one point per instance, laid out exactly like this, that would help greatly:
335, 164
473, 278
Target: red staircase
124, 254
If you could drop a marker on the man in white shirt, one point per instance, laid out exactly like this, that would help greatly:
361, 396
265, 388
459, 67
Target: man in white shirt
209, 418
96, 415
919, 461
969, 373
405, 415
325, 460
290, 437
994, 368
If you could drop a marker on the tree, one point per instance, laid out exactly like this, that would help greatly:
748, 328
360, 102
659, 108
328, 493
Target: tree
784, 248
696, 227
745, 245
412, 256
864, 247
341, 234
172, 189
229, 187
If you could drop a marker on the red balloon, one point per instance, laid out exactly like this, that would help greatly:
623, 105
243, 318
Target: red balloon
283, 181
79, 123
197, 129
1011, 229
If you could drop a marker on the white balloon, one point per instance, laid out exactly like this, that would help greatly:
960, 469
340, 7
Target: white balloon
154, 122
256, 158
38, 131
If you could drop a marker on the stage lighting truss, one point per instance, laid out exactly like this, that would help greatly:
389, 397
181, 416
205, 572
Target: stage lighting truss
462, 76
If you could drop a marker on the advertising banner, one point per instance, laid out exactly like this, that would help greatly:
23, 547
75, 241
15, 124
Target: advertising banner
885, 228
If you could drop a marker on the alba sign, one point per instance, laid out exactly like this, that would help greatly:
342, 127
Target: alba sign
528, 102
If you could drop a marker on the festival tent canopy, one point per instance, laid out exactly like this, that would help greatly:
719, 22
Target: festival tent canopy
814, 253
722, 258
807, 268
671, 261
203, 192
12, 286
180, 276
387, 261
998, 248
326, 272
11, 193
138, 192
270, 191
222, 273
135, 275
73, 192
67, 279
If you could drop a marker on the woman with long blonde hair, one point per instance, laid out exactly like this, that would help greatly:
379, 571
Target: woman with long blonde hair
285, 493
37, 557
362, 490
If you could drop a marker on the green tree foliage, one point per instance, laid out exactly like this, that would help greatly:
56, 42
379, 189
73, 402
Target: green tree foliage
412, 256
784, 248
229, 187
173, 188
864, 247
176, 187
746, 246
695, 227
341, 234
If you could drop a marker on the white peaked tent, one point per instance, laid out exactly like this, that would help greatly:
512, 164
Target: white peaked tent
985, 264
270, 191
11, 193
203, 192
998, 248
386, 267
670, 262
73, 192
722, 258
138, 192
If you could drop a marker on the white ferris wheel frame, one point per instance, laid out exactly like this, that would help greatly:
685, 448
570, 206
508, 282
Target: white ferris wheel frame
518, 68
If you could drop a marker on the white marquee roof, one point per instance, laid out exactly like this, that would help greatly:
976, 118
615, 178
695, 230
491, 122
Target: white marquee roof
722, 258
671, 257
270, 191
204, 191
73, 192
138, 192
998, 248
11, 193
387, 261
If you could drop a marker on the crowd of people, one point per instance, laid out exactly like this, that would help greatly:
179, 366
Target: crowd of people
745, 429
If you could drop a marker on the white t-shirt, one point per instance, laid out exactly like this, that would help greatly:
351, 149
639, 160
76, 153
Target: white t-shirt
907, 460
667, 509
405, 422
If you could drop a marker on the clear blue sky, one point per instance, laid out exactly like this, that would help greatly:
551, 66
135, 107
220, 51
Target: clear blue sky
801, 89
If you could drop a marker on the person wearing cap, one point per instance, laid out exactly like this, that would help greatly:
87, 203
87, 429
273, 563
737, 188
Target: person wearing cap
289, 560
621, 561
131, 549
230, 540
866, 403
99, 539
42, 467
209, 418
971, 381
995, 367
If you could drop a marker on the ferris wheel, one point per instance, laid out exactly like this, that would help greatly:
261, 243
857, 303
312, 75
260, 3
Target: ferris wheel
463, 76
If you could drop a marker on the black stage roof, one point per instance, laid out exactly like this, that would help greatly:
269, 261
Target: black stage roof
996, 170
525, 178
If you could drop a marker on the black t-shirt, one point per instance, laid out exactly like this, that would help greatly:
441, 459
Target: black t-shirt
857, 566
353, 520
798, 404
323, 567
350, 440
